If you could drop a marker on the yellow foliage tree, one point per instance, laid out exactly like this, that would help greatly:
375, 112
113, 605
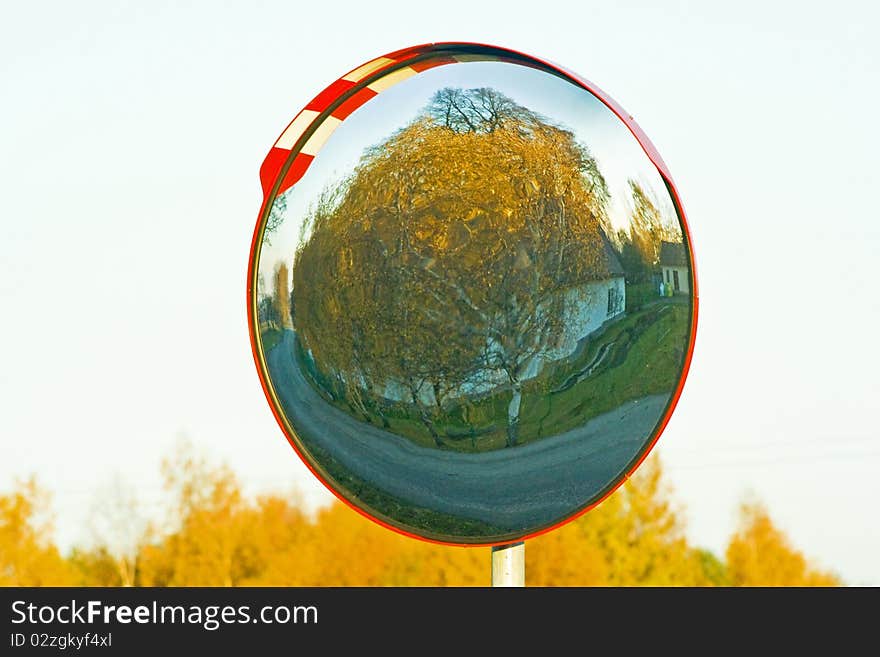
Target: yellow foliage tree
648, 227
27, 554
341, 548
207, 544
217, 537
276, 543
759, 554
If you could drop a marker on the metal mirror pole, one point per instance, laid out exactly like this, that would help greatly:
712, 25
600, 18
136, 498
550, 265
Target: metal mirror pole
509, 564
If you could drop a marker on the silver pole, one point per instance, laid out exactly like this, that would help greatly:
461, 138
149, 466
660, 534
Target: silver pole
509, 565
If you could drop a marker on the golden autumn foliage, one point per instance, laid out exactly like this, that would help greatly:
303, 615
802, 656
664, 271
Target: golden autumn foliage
215, 536
27, 555
466, 228
648, 227
759, 554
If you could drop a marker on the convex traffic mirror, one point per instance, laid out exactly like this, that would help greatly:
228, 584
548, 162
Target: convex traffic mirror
471, 292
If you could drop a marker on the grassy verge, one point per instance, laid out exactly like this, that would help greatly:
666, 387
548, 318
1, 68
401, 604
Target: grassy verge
640, 294
644, 357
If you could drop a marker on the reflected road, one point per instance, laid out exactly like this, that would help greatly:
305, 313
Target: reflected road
526, 486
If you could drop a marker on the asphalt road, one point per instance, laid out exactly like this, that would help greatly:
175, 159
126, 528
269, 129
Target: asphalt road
522, 487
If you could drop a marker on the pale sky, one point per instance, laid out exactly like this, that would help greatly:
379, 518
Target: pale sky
132, 136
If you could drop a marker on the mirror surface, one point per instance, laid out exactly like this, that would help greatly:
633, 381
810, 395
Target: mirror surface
474, 307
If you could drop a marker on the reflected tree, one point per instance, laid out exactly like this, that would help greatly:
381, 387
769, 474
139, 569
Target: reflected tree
437, 270
485, 110
267, 315
277, 214
281, 297
640, 250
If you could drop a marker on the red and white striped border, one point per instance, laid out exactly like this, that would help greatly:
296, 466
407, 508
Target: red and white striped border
312, 113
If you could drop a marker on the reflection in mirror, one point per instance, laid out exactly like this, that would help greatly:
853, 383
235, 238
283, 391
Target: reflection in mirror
474, 307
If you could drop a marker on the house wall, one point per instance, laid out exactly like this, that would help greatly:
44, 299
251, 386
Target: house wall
684, 279
589, 309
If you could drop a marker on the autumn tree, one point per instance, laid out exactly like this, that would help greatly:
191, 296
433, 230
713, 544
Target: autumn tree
632, 260
759, 554
280, 546
277, 215
213, 535
28, 556
205, 535
281, 296
486, 110
442, 261
640, 249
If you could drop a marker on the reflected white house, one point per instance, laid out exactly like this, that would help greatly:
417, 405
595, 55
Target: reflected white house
674, 267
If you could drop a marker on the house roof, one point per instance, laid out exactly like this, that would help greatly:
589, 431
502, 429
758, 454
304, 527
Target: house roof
672, 254
607, 266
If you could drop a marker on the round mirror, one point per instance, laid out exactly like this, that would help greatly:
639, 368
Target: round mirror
471, 292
